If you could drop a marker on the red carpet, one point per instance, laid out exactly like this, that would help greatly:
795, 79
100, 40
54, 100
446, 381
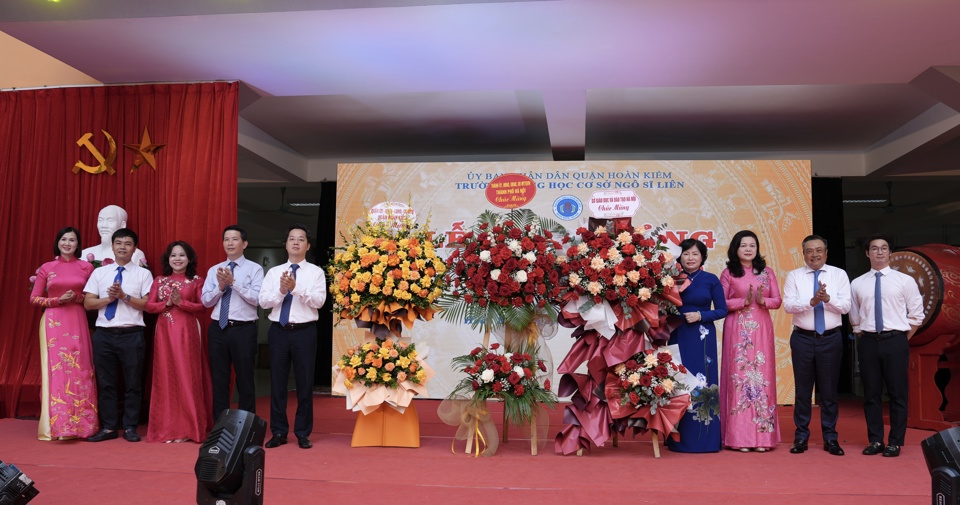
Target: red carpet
118, 472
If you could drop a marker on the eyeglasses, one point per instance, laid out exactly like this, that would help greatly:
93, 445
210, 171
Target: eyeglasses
876, 249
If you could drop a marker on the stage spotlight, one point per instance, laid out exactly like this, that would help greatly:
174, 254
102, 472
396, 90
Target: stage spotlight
230, 466
942, 453
15, 487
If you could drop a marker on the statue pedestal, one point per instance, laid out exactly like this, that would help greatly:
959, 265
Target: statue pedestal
386, 427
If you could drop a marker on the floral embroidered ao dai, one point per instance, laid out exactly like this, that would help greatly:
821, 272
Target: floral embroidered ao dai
180, 396
68, 391
700, 427
748, 375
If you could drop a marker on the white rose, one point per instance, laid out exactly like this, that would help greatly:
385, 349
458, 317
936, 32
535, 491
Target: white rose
495, 274
520, 276
634, 378
574, 280
519, 370
485, 256
530, 256
487, 376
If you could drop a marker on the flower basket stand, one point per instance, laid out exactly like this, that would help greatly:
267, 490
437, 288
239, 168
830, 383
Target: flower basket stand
387, 427
506, 434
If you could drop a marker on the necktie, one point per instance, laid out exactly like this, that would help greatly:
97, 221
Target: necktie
111, 310
225, 301
878, 305
819, 325
287, 301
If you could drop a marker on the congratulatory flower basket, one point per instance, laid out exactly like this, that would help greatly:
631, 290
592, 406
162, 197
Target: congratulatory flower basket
385, 277
516, 378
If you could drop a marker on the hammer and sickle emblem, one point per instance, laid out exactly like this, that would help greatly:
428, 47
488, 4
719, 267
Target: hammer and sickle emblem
106, 164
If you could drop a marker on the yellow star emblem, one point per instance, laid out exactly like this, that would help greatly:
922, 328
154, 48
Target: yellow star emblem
146, 151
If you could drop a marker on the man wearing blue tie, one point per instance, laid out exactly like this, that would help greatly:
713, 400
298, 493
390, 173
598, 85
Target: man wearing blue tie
293, 291
119, 293
232, 288
817, 295
887, 310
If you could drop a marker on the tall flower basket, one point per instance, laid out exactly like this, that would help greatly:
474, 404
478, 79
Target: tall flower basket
618, 291
385, 277
503, 278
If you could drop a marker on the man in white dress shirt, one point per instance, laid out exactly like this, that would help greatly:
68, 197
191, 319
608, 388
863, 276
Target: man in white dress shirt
232, 288
817, 295
119, 293
293, 291
887, 310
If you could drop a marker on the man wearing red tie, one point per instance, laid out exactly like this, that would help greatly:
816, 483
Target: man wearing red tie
887, 310
293, 291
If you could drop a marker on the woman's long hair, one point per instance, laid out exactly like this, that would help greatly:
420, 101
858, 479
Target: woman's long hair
733, 261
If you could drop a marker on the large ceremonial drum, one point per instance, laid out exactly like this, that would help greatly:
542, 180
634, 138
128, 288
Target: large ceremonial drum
936, 268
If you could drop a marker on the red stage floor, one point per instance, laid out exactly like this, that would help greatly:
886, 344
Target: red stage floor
118, 472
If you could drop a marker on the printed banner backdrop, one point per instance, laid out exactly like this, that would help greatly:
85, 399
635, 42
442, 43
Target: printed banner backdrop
707, 200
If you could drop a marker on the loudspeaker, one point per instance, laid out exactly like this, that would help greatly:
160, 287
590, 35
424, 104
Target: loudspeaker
942, 454
230, 466
15, 487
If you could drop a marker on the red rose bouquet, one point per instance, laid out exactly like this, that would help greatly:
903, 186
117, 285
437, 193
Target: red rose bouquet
515, 378
503, 271
650, 378
627, 269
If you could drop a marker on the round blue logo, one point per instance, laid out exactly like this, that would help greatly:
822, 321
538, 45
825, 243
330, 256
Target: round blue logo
567, 207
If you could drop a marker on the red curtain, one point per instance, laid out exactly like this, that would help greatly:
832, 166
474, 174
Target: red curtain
192, 194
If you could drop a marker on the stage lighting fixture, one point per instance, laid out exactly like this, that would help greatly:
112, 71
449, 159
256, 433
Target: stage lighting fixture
942, 453
15, 487
230, 466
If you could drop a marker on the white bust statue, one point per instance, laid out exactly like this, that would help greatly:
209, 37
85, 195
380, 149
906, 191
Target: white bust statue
110, 219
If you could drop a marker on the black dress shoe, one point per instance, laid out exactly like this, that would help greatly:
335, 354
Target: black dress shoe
873, 449
892, 451
103, 435
275, 441
304, 442
130, 435
799, 445
833, 447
